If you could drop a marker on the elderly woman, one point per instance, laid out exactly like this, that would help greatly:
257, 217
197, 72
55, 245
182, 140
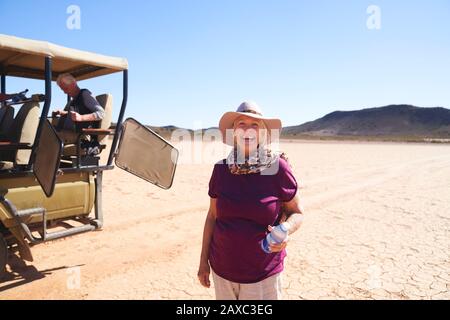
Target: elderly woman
250, 191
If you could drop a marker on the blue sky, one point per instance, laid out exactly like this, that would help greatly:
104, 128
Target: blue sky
190, 61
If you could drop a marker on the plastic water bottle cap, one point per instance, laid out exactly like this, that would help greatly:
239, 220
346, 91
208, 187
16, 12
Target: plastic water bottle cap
284, 227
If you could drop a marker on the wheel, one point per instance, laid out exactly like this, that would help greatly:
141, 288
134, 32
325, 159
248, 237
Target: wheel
3, 256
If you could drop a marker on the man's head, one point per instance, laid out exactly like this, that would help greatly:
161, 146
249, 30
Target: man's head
68, 84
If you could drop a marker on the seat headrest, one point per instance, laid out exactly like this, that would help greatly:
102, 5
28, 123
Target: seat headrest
106, 101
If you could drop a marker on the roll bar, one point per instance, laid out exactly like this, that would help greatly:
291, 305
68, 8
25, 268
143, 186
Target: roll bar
120, 119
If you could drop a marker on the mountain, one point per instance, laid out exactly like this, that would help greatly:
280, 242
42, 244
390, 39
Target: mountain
166, 131
393, 122
390, 121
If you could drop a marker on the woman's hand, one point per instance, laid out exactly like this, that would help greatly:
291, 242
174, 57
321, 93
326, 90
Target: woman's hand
203, 274
277, 247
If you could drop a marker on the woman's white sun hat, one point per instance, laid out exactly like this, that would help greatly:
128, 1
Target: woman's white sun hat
248, 109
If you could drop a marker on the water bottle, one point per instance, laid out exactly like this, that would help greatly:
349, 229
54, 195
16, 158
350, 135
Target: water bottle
277, 235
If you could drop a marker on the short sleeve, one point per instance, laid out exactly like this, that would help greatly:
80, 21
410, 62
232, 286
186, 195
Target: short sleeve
214, 183
287, 183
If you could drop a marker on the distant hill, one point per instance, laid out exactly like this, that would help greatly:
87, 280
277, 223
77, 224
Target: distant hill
401, 121
393, 122
166, 131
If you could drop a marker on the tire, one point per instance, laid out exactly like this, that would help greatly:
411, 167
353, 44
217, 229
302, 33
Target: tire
3, 256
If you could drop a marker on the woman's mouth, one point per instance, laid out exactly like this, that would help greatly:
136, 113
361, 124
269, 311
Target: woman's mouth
249, 139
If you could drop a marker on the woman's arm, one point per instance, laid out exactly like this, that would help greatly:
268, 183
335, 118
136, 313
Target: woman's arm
204, 268
294, 214
294, 218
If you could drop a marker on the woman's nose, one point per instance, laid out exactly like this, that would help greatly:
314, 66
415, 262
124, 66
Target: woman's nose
249, 131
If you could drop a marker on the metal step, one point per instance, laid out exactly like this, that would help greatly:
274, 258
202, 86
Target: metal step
28, 212
69, 232
44, 236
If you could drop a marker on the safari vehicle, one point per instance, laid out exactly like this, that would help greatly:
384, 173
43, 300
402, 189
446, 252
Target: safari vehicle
48, 189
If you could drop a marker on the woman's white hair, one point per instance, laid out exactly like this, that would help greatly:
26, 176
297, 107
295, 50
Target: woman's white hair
66, 78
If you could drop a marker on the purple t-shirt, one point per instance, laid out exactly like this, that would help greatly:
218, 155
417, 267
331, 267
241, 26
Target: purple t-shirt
246, 205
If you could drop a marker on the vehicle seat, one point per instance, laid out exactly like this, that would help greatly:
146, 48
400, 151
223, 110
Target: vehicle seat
23, 130
106, 101
6, 119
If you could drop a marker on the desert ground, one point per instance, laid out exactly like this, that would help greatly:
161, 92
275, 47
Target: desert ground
377, 226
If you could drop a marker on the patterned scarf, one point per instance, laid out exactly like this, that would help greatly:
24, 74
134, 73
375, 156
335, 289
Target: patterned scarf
261, 159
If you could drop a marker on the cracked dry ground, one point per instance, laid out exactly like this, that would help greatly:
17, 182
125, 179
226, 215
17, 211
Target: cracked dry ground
377, 227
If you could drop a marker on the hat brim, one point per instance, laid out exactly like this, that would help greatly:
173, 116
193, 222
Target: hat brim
227, 120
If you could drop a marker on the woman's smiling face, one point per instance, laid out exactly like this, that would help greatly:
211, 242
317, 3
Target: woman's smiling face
247, 132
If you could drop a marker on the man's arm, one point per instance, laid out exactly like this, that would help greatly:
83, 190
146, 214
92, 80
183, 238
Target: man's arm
64, 112
59, 113
98, 113
92, 104
76, 117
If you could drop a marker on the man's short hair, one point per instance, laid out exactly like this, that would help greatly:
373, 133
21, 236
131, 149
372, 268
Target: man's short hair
66, 78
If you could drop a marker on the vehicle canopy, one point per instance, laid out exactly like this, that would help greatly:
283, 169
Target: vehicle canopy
21, 57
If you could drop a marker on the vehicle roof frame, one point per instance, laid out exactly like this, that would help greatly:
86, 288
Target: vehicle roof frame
21, 57
47, 102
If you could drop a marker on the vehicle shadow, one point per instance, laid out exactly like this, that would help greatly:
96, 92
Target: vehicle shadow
20, 273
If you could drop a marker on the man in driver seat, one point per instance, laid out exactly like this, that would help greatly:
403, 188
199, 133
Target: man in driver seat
82, 111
